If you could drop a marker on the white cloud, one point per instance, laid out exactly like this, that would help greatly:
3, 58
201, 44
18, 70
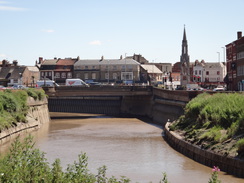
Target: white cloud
96, 42
3, 55
9, 8
48, 30
4, 2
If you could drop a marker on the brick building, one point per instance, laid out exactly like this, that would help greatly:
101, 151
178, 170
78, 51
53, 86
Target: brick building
235, 64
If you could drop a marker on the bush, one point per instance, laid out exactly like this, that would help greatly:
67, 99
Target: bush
26, 164
13, 105
213, 117
35, 93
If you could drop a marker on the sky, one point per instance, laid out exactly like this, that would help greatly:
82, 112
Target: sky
30, 29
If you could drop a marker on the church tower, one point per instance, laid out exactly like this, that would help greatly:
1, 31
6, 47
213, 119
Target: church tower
185, 62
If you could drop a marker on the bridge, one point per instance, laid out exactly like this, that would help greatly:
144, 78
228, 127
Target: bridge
119, 100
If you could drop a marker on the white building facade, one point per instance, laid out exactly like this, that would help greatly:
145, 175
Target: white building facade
209, 72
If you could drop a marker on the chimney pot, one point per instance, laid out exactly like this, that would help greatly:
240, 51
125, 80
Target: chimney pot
15, 62
239, 34
40, 60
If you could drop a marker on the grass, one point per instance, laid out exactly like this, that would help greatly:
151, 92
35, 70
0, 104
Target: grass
13, 106
213, 119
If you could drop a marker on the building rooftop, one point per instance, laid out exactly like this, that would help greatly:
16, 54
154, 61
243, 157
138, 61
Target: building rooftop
151, 68
126, 61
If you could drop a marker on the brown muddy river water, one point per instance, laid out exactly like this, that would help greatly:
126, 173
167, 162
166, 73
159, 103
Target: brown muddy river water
129, 147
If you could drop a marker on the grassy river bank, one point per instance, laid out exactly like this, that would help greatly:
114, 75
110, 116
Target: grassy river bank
214, 122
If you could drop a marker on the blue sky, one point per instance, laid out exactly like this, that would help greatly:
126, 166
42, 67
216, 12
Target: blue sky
91, 28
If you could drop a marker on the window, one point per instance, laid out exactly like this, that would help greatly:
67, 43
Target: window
86, 75
63, 75
207, 72
126, 75
200, 72
218, 73
106, 76
94, 76
69, 75
77, 75
57, 75
114, 67
114, 75
93, 67
195, 72
86, 67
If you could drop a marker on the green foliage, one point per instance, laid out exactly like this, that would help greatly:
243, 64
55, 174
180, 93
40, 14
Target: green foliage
214, 177
214, 134
36, 93
26, 164
240, 147
219, 116
164, 179
13, 108
13, 105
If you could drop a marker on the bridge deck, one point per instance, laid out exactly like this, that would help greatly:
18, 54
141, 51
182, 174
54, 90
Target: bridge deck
79, 91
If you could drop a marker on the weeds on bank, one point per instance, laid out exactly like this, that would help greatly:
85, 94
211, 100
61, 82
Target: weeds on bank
213, 118
26, 164
13, 106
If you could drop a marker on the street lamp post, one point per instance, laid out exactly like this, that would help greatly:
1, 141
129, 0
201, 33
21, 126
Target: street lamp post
218, 56
223, 54
125, 75
20, 75
108, 71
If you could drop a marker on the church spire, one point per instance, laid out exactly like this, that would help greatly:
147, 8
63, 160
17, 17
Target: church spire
185, 61
184, 34
184, 43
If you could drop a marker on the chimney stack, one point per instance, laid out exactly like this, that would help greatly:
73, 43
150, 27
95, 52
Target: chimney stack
15, 62
40, 60
4, 63
239, 34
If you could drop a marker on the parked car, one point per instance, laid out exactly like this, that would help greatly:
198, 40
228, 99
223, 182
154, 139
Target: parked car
19, 87
219, 89
75, 82
2, 87
42, 83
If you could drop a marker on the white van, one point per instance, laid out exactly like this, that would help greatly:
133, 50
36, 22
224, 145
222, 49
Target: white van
75, 82
42, 83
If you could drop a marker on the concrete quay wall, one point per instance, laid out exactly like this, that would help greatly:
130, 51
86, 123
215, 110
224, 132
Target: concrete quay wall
38, 114
227, 164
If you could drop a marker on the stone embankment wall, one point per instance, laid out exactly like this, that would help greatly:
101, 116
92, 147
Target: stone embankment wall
38, 114
227, 164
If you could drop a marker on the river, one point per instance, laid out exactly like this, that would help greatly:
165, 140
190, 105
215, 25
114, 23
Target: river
129, 147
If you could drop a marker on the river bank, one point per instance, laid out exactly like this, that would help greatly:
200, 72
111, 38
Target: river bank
37, 115
209, 158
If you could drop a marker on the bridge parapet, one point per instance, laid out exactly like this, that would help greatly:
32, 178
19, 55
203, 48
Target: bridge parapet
80, 91
175, 95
